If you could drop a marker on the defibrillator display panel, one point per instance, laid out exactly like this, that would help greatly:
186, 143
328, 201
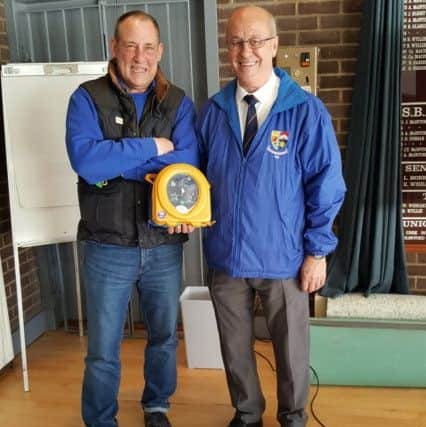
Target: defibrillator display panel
182, 192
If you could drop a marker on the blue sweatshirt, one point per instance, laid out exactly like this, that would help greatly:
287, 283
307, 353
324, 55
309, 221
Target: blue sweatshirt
95, 158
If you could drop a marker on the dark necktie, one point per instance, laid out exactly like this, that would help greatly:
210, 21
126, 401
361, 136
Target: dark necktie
251, 122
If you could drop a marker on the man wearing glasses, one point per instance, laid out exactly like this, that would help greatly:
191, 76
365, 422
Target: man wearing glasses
270, 153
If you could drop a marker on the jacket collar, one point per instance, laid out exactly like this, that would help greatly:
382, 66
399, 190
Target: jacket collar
289, 95
161, 85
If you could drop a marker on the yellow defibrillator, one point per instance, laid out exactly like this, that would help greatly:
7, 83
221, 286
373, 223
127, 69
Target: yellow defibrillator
180, 195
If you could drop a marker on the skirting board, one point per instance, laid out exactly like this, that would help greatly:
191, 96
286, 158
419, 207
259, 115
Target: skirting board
362, 353
34, 328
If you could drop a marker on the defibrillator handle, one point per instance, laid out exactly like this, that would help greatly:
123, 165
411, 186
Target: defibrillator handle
150, 177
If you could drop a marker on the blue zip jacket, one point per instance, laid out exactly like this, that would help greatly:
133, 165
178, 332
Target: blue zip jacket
277, 204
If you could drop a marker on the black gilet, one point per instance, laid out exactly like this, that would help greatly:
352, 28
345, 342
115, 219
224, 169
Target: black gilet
118, 212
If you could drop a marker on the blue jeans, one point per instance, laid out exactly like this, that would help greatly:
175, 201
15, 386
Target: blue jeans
110, 273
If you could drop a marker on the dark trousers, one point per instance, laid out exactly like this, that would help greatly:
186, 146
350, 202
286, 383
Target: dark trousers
286, 310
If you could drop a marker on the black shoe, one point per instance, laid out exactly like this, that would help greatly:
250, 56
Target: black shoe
294, 419
156, 419
238, 422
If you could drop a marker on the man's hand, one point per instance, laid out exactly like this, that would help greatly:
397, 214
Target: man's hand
164, 145
313, 274
182, 228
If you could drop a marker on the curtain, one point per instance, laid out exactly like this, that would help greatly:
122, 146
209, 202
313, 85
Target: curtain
370, 257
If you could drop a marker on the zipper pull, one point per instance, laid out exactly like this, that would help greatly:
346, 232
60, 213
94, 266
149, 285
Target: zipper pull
101, 184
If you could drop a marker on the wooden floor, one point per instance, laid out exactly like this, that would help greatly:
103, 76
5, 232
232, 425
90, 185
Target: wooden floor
56, 365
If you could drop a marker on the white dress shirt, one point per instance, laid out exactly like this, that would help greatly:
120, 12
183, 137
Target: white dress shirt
266, 96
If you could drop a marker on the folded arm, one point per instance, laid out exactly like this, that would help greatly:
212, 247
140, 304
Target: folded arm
91, 155
184, 141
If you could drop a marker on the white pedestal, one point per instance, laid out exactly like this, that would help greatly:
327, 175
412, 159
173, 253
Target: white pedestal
200, 329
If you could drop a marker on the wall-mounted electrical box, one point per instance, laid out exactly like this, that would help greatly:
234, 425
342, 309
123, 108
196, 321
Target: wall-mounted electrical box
301, 64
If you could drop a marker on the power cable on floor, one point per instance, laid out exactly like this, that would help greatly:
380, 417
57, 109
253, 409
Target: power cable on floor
267, 360
315, 396
316, 379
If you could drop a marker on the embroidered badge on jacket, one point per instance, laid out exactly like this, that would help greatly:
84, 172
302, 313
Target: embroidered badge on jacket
278, 143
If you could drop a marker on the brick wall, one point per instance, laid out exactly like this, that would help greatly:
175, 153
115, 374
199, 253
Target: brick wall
333, 26
29, 273
416, 263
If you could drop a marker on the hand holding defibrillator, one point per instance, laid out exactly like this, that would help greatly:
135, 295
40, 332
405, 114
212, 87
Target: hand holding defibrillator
181, 228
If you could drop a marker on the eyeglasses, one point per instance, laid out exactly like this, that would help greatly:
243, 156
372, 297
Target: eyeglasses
253, 43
